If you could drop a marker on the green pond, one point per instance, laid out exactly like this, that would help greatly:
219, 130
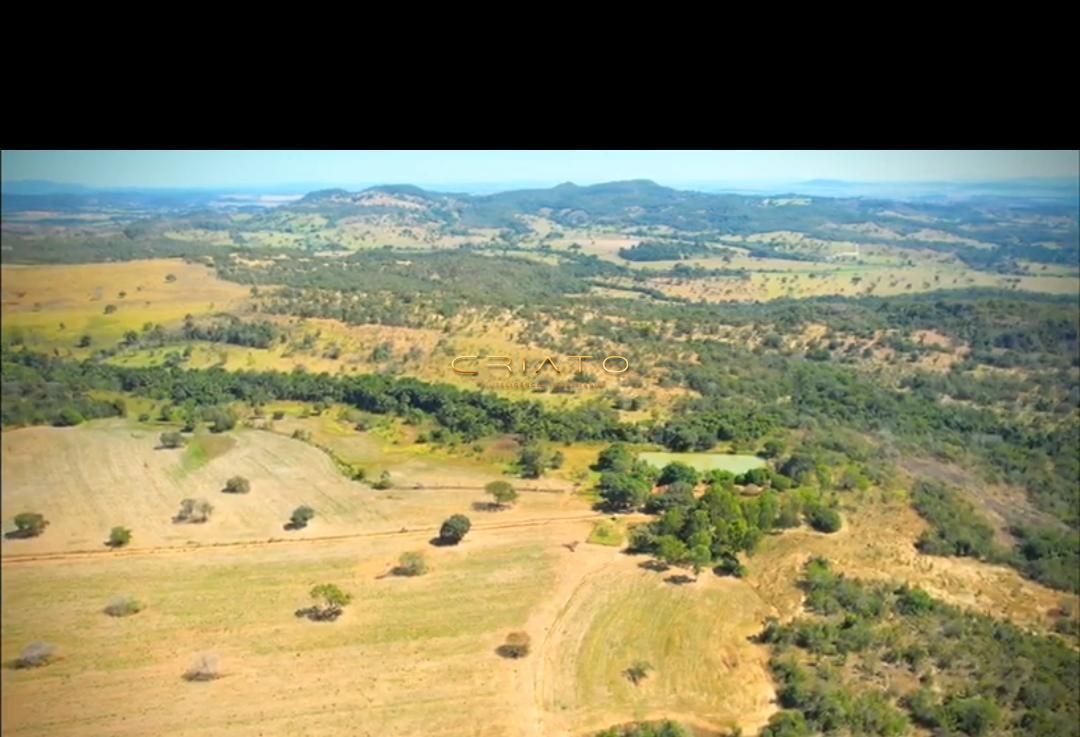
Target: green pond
737, 464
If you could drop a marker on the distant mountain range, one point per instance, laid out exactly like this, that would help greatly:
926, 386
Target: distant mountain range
1052, 188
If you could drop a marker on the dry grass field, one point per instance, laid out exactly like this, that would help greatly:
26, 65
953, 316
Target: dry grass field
110, 473
38, 300
410, 655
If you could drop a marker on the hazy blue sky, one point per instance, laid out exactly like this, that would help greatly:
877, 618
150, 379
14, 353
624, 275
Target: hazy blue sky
244, 168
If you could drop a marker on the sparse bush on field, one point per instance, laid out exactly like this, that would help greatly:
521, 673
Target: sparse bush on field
384, 481
205, 668
300, 518
35, 655
29, 524
119, 537
330, 602
222, 419
516, 646
278, 414
237, 485
195, 511
411, 564
823, 519
454, 529
123, 606
172, 440
638, 672
502, 492
663, 729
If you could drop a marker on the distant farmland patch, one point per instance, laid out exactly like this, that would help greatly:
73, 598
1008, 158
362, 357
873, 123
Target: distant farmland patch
736, 464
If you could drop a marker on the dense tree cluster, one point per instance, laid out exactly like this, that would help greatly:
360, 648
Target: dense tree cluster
962, 673
233, 330
1049, 555
667, 251
714, 529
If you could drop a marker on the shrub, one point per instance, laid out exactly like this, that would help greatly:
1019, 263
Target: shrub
384, 481
823, 519
516, 646
35, 655
454, 529
650, 729
194, 511
300, 517
222, 420
204, 668
68, 417
123, 606
237, 485
411, 564
638, 672
29, 524
278, 414
171, 440
119, 537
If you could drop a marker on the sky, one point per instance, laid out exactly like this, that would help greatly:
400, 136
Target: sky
227, 169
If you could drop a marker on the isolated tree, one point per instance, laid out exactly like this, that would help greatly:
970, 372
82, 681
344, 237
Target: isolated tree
300, 517
454, 529
237, 485
172, 440
84, 342
517, 645
411, 564
329, 601
638, 671
119, 537
35, 655
502, 492
123, 606
30, 524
